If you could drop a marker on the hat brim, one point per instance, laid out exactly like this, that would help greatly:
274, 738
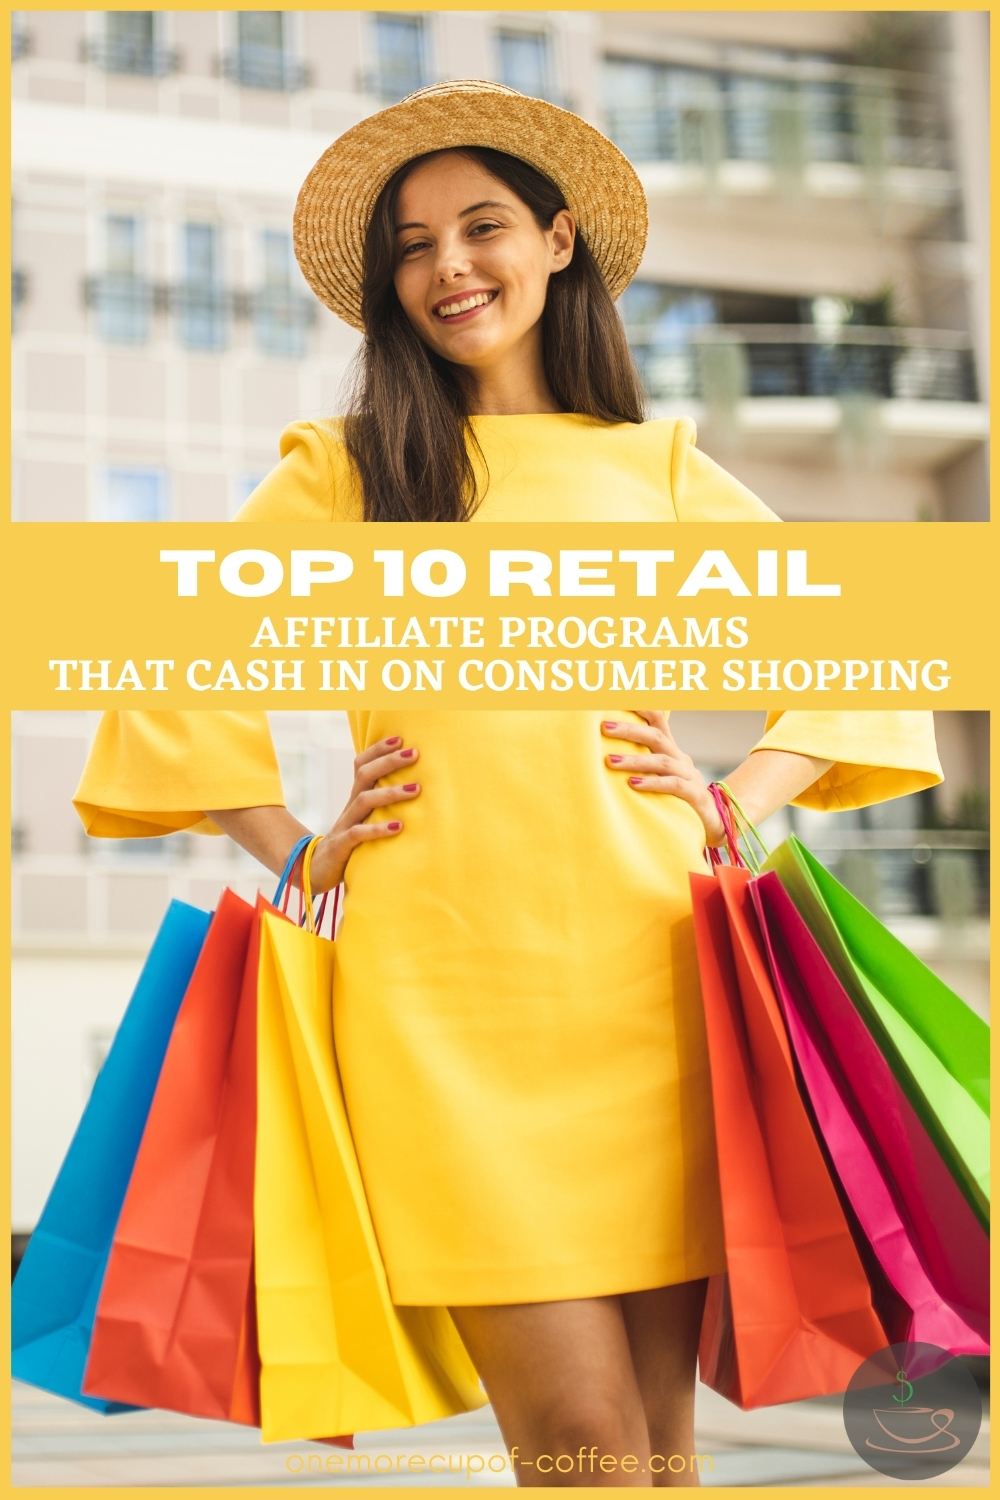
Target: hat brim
335, 203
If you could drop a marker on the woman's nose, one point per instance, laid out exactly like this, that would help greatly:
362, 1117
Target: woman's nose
452, 260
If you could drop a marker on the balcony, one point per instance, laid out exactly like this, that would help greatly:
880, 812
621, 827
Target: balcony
281, 317
140, 58
264, 68
389, 85
790, 384
124, 305
884, 146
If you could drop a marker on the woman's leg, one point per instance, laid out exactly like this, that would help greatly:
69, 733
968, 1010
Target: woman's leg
662, 1327
560, 1379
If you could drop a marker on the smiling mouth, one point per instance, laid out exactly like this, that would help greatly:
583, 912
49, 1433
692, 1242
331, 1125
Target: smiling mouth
454, 312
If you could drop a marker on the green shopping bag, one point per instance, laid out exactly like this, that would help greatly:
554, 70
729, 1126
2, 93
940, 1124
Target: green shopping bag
937, 1047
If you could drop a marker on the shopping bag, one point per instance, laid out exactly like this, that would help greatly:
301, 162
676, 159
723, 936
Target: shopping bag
171, 1324
336, 1354
926, 1238
176, 1320
55, 1291
937, 1046
792, 1315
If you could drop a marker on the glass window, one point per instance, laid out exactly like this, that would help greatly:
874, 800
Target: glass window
280, 311
662, 111
133, 495
124, 296
261, 51
524, 61
130, 41
399, 49
202, 303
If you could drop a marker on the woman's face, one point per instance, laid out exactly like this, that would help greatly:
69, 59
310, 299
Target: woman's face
463, 235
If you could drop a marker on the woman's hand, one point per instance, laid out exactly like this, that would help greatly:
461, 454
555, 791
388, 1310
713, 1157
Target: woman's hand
334, 849
664, 767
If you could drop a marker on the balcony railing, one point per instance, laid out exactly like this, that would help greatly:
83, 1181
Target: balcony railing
941, 875
759, 360
877, 131
123, 304
124, 55
264, 68
390, 84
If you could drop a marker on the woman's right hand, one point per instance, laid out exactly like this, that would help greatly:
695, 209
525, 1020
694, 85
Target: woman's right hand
335, 848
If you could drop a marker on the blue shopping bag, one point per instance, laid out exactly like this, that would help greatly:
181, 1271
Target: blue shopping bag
55, 1292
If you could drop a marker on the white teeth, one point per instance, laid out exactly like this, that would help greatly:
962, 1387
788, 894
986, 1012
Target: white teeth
453, 308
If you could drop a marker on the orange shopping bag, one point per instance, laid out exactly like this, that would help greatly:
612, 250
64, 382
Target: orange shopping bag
792, 1315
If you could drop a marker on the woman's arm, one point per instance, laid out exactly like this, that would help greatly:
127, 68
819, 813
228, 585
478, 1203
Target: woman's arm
763, 782
268, 833
769, 779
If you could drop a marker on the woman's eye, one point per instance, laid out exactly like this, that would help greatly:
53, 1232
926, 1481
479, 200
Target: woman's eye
420, 244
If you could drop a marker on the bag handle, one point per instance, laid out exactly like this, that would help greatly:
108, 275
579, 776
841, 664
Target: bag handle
283, 886
738, 827
314, 923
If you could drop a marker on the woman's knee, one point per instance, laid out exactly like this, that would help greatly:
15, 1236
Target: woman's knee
574, 1431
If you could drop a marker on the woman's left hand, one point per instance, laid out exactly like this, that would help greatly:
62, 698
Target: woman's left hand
664, 767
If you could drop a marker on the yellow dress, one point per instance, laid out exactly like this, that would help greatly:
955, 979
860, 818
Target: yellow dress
517, 1011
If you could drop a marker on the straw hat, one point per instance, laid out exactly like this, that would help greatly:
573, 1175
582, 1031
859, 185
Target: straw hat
335, 203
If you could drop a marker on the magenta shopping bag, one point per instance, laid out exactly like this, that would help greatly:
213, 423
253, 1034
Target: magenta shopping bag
926, 1238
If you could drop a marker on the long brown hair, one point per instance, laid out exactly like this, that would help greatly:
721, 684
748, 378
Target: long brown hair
406, 420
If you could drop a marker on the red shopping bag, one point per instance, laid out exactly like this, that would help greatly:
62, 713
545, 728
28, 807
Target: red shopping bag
171, 1326
792, 1315
176, 1318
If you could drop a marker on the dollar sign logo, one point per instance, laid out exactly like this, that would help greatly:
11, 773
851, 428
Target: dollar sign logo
907, 1388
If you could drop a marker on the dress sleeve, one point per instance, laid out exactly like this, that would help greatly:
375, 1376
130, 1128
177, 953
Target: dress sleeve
150, 773
702, 490
877, 755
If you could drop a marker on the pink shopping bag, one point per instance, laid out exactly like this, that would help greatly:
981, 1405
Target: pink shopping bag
929, 1244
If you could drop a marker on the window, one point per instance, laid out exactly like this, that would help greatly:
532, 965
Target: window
524, 61
200, 296
399, 49
281, 314
261, 59
123, 297
133, 495
662, 111
130, 44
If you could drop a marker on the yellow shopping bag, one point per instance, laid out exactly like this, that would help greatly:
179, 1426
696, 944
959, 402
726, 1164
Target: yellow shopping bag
336, 1354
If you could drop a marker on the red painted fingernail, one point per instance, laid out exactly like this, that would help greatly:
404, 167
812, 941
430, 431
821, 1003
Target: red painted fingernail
608, 725
395, 739
614, 759
411, 786
394, 827
635, 781
406, 754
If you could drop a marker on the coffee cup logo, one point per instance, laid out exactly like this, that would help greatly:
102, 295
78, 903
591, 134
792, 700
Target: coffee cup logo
912, 1411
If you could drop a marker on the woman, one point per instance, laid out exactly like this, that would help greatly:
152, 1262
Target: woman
517, 1014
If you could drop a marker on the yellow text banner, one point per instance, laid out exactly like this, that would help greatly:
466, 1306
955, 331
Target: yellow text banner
488, 615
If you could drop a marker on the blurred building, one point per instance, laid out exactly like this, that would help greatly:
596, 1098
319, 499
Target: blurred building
814, 291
